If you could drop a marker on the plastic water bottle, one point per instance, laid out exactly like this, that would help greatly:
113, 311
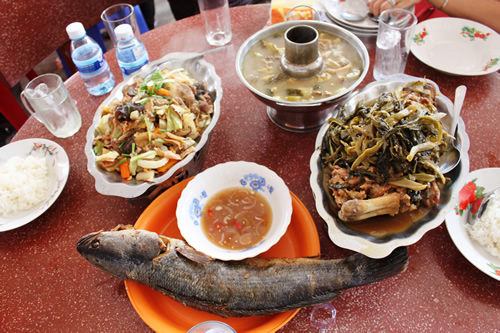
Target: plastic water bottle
130, 51
89, 60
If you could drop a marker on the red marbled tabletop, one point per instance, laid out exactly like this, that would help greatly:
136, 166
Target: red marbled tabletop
47, 286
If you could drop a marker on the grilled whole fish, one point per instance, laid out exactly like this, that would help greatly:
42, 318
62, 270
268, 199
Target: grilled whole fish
250, 287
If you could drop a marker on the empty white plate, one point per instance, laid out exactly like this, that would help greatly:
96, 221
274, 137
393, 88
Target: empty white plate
457, 46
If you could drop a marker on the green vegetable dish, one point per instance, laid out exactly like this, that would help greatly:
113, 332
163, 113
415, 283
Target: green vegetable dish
382, 158
156, 124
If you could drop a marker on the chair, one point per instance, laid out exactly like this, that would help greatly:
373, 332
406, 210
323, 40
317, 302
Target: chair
30, 31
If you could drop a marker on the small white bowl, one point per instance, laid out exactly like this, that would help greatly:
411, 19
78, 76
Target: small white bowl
229, 175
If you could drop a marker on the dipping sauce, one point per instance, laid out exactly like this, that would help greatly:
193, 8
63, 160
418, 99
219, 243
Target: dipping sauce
261, 67
236, 218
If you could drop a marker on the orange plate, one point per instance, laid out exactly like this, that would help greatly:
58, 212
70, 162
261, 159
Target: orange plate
163, 314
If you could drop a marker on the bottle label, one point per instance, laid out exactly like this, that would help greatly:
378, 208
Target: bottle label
92, 65
129, 68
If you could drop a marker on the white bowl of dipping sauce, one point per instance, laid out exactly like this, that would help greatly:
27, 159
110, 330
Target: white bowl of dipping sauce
252, 212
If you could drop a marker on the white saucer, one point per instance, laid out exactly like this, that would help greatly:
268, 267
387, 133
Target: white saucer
58, 164
334, 9
356, 31
457, 46
472, 250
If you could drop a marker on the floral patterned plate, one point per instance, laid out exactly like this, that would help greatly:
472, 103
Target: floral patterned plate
489, 179
58, 174
457, 46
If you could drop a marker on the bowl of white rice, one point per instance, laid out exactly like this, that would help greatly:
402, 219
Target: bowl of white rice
33, 172
479, 242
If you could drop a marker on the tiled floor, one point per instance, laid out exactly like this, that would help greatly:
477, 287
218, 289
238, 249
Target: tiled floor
51, 64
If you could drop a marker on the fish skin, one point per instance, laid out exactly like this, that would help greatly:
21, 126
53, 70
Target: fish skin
250, 287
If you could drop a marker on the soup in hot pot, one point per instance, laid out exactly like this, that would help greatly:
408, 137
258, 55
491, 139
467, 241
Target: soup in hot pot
261, 67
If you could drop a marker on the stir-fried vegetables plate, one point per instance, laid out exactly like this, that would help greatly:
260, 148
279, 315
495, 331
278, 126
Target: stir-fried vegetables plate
156, 124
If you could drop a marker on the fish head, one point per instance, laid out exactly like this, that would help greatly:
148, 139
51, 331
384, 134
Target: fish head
121, 251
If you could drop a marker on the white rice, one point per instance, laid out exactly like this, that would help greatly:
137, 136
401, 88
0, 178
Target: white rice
486, 230
24, 183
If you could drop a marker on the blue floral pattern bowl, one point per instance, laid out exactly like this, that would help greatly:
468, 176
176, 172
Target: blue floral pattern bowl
228, 175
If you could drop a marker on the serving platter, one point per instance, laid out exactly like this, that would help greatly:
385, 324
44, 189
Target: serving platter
379, 247
473, 251
110, 183
163, 314
457, 46
58, 164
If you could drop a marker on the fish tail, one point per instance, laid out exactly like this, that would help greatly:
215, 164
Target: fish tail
368, 270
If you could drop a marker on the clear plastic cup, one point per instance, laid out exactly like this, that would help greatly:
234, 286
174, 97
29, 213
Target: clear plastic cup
212, 326
119, 14
215, 14
394, 38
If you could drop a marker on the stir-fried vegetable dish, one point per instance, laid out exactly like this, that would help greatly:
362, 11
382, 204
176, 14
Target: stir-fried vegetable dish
382, 158
156, 124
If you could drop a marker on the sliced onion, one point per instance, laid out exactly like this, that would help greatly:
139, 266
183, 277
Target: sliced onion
246, 239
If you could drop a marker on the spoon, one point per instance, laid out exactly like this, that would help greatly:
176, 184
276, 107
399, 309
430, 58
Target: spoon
352, 17
356, 11
451, 159
373, 17
472, 218
190, 58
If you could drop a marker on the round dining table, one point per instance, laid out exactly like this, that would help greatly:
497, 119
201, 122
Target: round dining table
47, 286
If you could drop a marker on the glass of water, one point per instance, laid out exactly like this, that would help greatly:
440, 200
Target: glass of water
215, 14
119, 14
394, 38
48, 100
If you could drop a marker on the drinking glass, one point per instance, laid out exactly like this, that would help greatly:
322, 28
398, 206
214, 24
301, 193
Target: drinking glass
212, 326
48, 100
119, 14
215, 14
301, 13
394, 37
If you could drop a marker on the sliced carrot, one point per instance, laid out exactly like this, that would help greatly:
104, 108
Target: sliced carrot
125, 170
163, 92
167, 166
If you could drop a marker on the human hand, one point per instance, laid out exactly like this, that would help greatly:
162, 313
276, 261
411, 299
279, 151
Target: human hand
378, 6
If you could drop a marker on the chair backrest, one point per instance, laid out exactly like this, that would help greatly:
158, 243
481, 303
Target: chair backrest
31, 30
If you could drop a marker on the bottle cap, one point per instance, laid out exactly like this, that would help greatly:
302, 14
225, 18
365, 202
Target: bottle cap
124, 32
75, 30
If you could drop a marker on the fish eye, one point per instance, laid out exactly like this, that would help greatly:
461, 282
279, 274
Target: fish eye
95, 244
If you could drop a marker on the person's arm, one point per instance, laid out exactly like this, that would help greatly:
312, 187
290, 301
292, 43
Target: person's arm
378, 6
486, 12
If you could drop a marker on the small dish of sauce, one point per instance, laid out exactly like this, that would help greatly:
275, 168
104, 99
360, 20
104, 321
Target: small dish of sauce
236, 218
